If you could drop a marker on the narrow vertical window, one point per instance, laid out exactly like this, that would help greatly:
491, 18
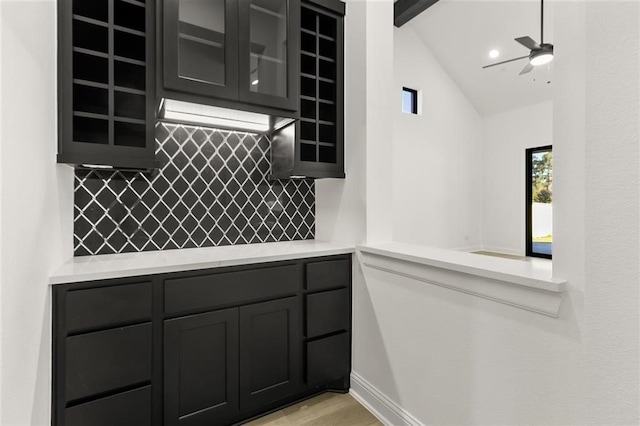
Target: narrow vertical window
409, 100
539, 202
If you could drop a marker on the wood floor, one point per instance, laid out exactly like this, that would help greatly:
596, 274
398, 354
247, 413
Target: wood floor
328, 409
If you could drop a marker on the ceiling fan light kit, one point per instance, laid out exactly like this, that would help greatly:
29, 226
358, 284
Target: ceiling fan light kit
542, 56
539, 54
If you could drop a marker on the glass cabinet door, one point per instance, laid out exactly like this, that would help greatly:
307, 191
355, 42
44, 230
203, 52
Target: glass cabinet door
200, 47
268, 43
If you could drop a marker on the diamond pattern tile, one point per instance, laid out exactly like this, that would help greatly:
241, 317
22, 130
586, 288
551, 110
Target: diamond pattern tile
211, 190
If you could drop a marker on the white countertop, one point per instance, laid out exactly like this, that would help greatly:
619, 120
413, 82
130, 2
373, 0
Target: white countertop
107, 266
530, 272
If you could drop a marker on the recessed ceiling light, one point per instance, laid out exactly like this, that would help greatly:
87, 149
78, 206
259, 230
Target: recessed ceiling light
494, 54
255, 82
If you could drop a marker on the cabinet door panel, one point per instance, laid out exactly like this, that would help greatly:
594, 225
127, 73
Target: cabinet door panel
200, 47
269, 42
201, 368
270, 344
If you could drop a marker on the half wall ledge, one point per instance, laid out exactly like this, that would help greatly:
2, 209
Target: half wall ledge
518, 283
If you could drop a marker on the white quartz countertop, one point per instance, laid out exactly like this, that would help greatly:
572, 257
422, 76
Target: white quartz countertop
530, 272
107, 266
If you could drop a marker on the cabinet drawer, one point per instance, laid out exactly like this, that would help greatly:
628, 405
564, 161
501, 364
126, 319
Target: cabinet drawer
328, 359
99, 307
107, 360
327, 312
328, 274
213, 290
131, 408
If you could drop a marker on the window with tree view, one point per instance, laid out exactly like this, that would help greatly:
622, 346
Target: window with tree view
539, 202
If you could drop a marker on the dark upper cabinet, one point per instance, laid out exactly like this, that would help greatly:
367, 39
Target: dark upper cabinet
106, 86
231, 53
314, 146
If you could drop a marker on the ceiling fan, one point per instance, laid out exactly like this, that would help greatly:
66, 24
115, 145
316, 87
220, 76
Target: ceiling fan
539, 54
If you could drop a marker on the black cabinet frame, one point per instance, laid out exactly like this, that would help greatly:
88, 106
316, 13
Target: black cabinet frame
313, 147
106, 148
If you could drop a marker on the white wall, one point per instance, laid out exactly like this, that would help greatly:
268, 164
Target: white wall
506, 136
436, 165
36, 205
358, 209
612, 201
448, 358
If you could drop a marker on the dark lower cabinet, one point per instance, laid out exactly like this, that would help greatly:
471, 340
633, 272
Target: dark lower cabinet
201, 368
200, 348
269, 352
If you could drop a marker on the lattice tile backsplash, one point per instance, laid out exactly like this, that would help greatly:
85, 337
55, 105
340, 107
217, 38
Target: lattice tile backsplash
212, 190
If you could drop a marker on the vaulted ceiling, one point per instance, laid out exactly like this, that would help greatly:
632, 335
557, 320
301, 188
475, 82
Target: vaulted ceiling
460, 34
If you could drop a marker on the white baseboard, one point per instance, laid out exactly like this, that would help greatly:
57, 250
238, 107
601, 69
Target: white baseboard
386, 410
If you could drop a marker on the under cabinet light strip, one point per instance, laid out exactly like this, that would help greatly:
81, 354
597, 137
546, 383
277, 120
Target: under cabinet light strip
215, 121
189, 113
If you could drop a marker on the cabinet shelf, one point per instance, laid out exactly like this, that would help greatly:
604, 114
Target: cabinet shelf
307, 31
135, 3
129, 90
106, 86
326, 58
91, 21
313, 120
130, 61
90, 115
313, 99
200, 40
319, 143
267, 58
267, 11
91, 52
90, 83
105, 117
129, 30
129, 120
326, 37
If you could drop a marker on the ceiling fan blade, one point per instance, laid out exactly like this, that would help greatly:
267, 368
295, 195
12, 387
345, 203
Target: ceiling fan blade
528, 68
528, 42
505, 62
